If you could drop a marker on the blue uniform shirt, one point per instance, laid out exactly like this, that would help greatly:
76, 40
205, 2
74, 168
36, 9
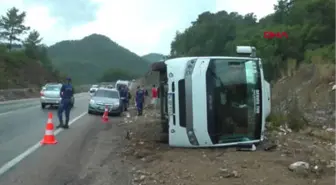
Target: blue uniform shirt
67, 91
124, 94
140, 96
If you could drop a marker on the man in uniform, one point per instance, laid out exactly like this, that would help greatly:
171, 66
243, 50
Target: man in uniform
66, 94
124, 97
139, 99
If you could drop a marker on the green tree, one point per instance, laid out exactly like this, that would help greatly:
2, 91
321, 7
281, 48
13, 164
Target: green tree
310, 25
43, 57
11, 25
32, 45
30, 67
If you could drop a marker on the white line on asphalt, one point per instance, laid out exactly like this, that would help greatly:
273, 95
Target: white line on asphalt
32, 149
25, 109
30, 107
18, 101
32, 99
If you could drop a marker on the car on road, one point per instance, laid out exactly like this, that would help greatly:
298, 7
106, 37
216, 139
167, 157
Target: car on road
53, 83
93, 89
50, 95
122, 83
106, 97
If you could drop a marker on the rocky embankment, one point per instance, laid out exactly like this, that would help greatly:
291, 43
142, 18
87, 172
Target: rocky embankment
13, 94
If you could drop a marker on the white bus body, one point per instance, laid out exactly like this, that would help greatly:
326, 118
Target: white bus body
122, 82
214, 101
199, 118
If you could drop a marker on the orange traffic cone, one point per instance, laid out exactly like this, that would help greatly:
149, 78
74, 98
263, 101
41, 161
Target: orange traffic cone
105, 115
49, 137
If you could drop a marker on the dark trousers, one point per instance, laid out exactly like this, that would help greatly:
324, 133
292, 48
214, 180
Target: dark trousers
65, 106
139, 107
125, 105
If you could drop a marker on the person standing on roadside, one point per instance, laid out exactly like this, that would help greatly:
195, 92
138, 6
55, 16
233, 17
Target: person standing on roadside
66, 94
139, 99
145, 94
123, 97
154, 96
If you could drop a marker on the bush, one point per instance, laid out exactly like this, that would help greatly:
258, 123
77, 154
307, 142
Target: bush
292, 117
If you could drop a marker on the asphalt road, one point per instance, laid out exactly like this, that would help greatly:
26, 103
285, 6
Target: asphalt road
22, 124
13, 105
79, 150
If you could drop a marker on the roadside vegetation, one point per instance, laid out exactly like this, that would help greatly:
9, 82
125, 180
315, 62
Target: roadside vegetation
24, 60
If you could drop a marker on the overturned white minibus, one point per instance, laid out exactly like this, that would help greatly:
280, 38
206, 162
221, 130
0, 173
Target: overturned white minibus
214, 101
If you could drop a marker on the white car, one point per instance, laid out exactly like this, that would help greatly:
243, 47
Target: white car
93, 89
50, 95
120, 83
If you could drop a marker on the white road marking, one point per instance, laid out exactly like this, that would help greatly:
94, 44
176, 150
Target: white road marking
79, 96
33, 99
24, 109
18, 101
16, 160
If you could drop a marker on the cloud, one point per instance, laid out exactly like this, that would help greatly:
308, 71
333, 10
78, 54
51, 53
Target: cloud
141, 26
72, 12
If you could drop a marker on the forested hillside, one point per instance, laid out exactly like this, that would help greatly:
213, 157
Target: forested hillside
310, 25
153, 57
23, 62
87, 59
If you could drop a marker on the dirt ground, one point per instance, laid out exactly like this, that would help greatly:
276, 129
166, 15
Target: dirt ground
157, 163
314, 145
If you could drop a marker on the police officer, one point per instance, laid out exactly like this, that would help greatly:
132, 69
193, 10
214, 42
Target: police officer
124, 97
139, 99
66, 94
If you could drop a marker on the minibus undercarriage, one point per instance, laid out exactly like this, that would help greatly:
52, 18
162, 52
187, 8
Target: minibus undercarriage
161, 68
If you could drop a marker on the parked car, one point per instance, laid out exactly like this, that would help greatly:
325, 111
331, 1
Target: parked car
93, 89
50, 95
106, 97
122, 83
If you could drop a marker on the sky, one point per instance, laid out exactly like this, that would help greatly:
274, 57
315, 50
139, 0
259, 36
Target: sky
142, 26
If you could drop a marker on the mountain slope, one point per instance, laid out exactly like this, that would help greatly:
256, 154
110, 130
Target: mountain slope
87, 59
153, 57
19, 71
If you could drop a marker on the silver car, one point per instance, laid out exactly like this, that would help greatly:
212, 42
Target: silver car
105, 97
93, 89
50, 95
